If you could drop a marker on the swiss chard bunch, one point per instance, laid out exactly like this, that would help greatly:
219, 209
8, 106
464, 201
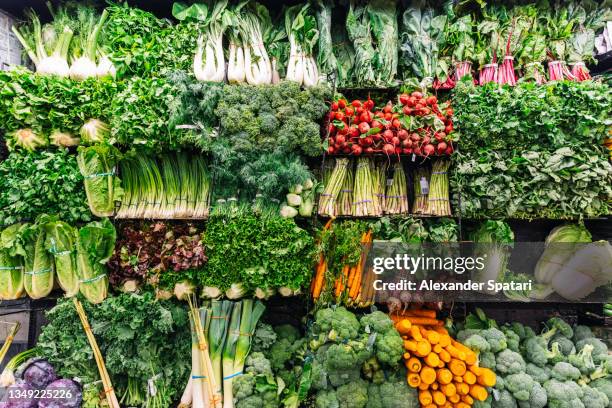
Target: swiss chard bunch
42, 182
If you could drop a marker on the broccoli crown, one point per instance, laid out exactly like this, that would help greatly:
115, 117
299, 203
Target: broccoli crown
326, 399
509, 362
279, 354
556, 325
563, 394
340, 377
337, 324
583, 360
524, 332
539, 374
535, 350
373, 371
554, 355
603, 385
257, 363
483, 404
505, 400
377, 321
593, 398
477, 343
487, 360
374, 396
512, 339
462, 335
243, 386
398, 395
264, 337
581, 333
563, 371
537, 397
353, 394
599, 348
500, 383
389, 347
318, 375
347, 355
519, 385
566, 346
287, 331
495, 338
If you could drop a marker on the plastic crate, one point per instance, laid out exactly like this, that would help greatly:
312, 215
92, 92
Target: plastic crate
10, 48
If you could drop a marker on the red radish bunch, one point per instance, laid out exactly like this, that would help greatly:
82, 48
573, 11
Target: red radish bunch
433, 135
358, 128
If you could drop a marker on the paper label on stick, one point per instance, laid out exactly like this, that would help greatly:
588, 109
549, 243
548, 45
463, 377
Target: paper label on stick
424, 185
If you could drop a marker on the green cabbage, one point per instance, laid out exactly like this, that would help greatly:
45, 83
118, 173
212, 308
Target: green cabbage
11, 263
95, 246
61, 243
555, 256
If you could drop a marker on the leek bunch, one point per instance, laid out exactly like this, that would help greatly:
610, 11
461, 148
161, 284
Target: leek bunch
173, 186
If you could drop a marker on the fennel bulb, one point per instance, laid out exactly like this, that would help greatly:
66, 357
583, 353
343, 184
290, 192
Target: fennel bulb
62, 139
85, 66
294, 200
27, 139
105, 68
288, 212
588, 268
560, 244
53, 65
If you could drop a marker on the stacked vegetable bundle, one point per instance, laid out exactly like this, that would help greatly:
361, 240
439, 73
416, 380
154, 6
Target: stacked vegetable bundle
561, 366
367, 187
563, 172
444, 370
33, 255
416, 125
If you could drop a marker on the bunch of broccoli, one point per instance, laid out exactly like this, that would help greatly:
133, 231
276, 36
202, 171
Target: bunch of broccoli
563, 367
357, 361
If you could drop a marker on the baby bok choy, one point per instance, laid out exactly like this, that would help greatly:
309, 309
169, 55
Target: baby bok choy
301, 27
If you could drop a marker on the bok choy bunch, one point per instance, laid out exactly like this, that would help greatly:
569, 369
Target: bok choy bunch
209, 60
301, 28
11, 263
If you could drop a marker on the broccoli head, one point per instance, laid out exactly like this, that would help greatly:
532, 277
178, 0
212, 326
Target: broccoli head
505, 400
512, 339
582, 332
519, 385
243, 386
264, 337
372, 371
593, 398
603, 385
353, 394
257, 363
524, 332
563, 371
556, 325
537, 397
287, 331
583, 360
536, 351
487, 360
326, 399
554, 355
347, 355
377, 321
389, 347
495, 338
600, 350
374, 397
337, 324
398, 395
563, 394
477, 343
539, 374
500, 383
566, 346
265, 400
279, 354
483, 404
462, 335
509, 362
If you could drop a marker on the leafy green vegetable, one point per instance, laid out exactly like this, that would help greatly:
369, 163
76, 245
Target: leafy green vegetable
11, 262
260, 251
138, 336
39, 268
60, 242
41, 182
103, 188
95, 246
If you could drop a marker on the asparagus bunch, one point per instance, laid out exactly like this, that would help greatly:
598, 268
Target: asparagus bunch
438, 202
397, 192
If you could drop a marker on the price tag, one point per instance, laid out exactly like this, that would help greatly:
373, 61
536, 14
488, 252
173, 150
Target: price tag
424, 186
389, 182
413, 157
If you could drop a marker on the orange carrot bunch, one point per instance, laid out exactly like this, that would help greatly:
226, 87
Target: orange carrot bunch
445, 372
